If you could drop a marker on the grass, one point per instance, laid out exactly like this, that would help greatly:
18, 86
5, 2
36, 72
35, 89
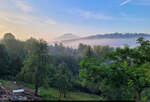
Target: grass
53, 94
8, 84
49, 94
30, 86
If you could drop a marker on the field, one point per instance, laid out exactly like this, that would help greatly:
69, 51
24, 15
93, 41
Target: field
53, 94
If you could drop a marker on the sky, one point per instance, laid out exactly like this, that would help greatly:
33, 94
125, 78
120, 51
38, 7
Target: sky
48, 19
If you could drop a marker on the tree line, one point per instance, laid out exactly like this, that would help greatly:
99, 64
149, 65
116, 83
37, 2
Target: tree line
112, 73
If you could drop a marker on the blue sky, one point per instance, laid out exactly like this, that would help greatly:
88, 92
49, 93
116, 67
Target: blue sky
51, 18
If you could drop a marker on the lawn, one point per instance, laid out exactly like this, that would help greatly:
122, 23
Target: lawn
53, 94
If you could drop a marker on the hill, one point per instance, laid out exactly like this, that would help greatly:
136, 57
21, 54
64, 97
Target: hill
112, 39
68, 36
118, 35
113, 36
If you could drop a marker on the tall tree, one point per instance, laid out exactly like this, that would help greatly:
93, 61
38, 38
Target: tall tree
63, 79
30, 45
99, 51
36, 65
16, 53
4, 62
93, 72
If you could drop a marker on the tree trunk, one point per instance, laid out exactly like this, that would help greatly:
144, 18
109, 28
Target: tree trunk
59, 95
138, 96
36, 90
64, 95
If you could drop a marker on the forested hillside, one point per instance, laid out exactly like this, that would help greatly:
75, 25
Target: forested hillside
110, 35
107, 72
112, 39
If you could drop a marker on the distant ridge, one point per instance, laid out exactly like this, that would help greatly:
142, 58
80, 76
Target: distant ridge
112, 36
118, 35
68, 36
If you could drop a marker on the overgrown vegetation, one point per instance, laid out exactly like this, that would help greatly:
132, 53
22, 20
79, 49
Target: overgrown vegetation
86, 73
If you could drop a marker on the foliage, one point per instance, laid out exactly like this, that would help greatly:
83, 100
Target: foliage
93, 72
111, 73
60, 49
4, 62
35, 65
132, 65
15, 54
63, 79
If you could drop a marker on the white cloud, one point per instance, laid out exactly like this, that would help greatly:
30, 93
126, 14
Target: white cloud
24, 26
50, 21
91, 15
125, 2
21, 19
16, 18
24, 6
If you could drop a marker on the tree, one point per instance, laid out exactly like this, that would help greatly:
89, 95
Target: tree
63, 79
4, 62
132, 67
93, 72
16, 53
14, 47
99, 51
70, 61
96, 50
88, 51
35, 65
129, 66
81, 47
30, 45
9, 36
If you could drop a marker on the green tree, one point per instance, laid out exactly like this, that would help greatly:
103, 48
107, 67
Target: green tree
99, 51
93, 72
30, 45
4, 62
131, 65
36, 65
63, 79
14, 47
16, 53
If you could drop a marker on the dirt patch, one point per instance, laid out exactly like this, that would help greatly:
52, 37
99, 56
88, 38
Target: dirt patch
6, 93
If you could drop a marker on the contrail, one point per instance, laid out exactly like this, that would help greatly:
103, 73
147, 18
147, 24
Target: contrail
125, 2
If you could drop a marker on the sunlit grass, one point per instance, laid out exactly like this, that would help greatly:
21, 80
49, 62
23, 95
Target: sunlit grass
53, 94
